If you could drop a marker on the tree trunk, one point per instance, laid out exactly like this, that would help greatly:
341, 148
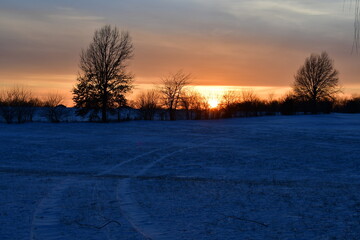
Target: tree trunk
314, 106
103, 114
172, 113
187, 114
104, 104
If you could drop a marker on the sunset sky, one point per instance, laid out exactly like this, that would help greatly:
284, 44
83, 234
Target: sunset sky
221, 42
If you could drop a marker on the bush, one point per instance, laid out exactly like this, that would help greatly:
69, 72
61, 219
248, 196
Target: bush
16, 104
54, 110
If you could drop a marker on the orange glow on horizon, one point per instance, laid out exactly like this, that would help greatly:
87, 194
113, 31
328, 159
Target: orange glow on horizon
213, 103
213, 93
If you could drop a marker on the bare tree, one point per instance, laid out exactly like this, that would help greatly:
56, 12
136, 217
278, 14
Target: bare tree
5, 110
148, 103
172, 88
17, 104
200, 105
250, 102
193, 102
272, 104
103, 80
228, 101
229, 98
316, 80
54, 110
186, 101
248, 95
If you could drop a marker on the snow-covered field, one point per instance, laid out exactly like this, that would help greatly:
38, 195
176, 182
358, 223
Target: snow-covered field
295, 177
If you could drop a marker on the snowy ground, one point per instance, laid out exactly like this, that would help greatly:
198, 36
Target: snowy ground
294, 177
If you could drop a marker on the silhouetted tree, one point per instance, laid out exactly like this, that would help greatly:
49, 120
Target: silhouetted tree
288, 104
272, 105
248, 95
17, 104
201, 107
186, 101
193, 102
316, 80
348, 104
148, 103
103, 80
172, 87
54, 110
228, 102
249, 104
230, 97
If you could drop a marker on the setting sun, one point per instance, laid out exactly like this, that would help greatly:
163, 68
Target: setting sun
213, 103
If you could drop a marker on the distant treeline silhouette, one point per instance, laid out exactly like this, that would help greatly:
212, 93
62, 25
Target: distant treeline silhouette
194, 106
18, 105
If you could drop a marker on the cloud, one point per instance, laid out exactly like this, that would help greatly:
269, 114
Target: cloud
233, 42
67, 13
76, 18
45, 41
292, 7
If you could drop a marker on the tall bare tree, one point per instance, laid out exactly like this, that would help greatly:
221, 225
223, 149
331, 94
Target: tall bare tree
172, 88
316, 80
103, 80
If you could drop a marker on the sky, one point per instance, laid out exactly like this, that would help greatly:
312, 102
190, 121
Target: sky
249, 43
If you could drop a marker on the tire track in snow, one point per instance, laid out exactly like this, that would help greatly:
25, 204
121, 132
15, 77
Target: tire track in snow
138, 219
109, 170
45, 222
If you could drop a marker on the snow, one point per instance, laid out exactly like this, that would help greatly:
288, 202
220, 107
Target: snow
283, 177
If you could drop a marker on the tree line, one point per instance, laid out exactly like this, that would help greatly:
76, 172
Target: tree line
192, 105
104, 79
18, 105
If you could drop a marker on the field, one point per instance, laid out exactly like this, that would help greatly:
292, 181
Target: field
283, 177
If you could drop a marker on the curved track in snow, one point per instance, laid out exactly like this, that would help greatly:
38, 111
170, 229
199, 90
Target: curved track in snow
138, 219
45, 221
